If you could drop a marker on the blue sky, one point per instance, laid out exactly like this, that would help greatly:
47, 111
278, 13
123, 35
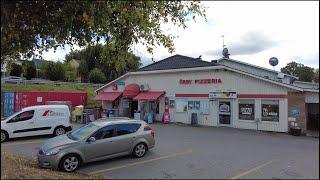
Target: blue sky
253, 31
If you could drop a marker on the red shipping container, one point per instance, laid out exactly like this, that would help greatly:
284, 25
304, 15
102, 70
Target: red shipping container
25, 99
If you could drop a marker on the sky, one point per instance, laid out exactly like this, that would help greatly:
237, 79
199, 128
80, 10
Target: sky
253, 32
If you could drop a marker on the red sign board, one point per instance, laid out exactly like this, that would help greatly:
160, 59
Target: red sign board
114, 87
201, 81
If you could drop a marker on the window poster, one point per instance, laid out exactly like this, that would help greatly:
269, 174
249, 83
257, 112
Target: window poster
171, 103
246, 109
270, 110
181, 105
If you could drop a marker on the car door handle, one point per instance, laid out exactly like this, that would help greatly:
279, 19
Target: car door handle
31, 122
134, 137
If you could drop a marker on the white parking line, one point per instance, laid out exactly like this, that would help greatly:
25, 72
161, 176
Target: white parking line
141, 162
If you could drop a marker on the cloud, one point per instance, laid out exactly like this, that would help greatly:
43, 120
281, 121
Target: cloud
250, 43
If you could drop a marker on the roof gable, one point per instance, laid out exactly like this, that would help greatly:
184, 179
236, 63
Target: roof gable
176, 62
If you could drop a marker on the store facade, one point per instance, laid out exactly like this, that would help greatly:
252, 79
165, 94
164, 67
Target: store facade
219, 95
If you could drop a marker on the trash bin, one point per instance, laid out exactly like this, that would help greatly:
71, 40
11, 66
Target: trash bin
194, 119
295, 131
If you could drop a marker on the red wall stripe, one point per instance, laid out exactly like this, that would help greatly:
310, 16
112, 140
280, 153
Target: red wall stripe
277, 96
261, 96
192, 95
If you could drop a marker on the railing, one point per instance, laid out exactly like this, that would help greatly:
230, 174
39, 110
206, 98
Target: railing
36, 81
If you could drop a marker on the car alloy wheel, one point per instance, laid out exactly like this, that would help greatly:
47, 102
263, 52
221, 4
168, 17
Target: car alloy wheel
71, 163
60, 131
3, 136
140, 150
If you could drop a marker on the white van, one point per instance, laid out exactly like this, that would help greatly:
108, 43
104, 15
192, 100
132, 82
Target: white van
37, 120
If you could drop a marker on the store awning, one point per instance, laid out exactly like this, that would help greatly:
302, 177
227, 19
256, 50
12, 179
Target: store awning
150, 95
131, 90
107, 96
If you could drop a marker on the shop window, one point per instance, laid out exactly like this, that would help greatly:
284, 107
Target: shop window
181, 105
194, 105
270, 110
246, 109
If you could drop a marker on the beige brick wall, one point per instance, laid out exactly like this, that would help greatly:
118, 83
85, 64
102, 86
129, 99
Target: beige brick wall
297, 100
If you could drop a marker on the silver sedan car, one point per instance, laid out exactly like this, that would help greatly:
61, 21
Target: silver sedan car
95, 141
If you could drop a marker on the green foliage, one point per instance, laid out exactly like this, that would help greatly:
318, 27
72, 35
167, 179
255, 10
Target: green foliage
83, 70
15, 70
70, 72
96, 76
29, 69
111, 62
54, 71
51, 87
316, 75
30, 26
304, 73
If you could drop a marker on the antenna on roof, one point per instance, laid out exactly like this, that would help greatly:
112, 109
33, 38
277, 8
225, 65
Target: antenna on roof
199, 57
223, 41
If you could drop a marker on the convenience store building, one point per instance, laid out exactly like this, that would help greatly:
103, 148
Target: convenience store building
222, 92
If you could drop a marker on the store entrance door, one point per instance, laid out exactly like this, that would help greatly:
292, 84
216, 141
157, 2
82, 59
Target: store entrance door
224, 112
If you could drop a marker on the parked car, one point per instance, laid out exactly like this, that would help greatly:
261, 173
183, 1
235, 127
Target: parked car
100, 139
13, 79
36, 120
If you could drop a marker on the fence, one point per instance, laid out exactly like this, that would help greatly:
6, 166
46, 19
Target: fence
40, 81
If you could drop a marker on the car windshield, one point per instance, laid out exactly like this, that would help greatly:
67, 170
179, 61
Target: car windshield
83, 132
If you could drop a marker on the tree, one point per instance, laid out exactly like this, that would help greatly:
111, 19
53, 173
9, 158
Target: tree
30, 26
111, 62
316, 76
70, 72
15, 70
96, 76
83, 70
29, 69
304, 73
54, 71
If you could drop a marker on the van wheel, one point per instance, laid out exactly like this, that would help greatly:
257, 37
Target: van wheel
59, 131
70, 163
4, 136
139, 150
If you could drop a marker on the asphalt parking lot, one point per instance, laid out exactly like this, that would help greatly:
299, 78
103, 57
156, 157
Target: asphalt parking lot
205, 152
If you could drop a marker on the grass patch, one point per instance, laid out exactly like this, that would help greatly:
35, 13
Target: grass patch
52, 87
16, 167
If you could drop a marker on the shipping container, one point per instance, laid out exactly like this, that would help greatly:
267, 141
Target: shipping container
8, 103
25, 99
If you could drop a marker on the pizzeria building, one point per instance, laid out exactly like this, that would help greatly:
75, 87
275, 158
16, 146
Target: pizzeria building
223, 92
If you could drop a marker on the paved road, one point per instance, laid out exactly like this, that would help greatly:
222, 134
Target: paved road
206, 152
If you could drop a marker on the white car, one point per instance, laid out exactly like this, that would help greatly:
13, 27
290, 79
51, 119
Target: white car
37, 120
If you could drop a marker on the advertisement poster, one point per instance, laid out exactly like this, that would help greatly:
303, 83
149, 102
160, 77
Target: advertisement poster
181, 105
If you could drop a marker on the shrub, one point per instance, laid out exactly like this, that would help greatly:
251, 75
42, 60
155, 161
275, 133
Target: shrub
96, 76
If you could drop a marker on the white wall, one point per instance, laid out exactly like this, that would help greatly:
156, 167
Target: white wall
231, 81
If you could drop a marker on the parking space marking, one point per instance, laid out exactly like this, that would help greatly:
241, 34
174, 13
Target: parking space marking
20, 143
252, 170
141, 162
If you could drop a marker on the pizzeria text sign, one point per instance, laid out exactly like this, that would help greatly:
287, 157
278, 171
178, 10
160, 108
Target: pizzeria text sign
201, 81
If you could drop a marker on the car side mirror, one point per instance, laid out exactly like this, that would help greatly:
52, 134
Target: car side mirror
91, 139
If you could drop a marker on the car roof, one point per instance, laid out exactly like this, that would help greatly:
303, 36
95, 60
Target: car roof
104, 122
45, 106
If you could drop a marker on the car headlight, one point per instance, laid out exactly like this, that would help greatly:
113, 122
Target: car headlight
52, 152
